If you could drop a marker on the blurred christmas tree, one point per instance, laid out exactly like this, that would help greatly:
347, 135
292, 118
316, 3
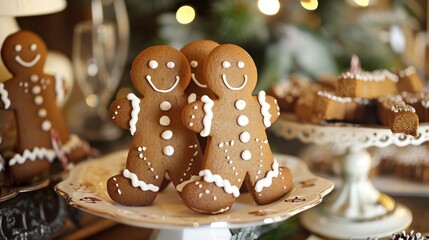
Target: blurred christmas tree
383, 33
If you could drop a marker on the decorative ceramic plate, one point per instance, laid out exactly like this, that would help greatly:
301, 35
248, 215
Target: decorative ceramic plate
85, 188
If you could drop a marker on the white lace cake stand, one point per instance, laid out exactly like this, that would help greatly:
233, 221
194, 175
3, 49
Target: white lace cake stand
356, 209
85, 188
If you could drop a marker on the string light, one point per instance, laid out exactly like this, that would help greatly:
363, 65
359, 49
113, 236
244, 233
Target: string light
269, 7
309, 4
185, 14
362, 3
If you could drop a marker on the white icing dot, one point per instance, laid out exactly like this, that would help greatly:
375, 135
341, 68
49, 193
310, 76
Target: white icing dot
36, 89
240, 64
226, 64
191, 124
165, 106
194, 64
46, 125
170, 64
167, 134
164, 121
38, 100
33, 47
244, 137
34, 78
18, 47
240, 104
168, 150
42, 112
153, 64
246, 155
243, 120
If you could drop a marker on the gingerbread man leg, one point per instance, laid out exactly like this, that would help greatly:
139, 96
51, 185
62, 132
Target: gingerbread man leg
140, 182
31, 164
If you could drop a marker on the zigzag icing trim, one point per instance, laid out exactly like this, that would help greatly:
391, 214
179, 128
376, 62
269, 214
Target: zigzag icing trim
135, 103
207, 120
220, 182
4, 94
36, 153
73, 142
265, 107
138, 183
268, 179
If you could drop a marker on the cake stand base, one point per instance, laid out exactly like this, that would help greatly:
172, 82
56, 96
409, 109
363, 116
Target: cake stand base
192, 233
338, 228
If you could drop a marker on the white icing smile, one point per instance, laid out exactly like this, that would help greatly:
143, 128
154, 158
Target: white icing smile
234, 88
149, 80
28, 64
196, 81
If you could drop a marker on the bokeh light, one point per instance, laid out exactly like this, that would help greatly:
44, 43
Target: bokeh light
362, 3
185, 14
269, 7
310, 4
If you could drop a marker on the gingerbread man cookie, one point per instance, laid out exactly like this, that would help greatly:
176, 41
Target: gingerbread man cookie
160, 143
32, 95
237, 150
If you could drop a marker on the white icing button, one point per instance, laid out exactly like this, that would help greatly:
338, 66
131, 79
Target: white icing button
168, 150
167, 134
18, 47
164, 121
33, 47
170, 64
46, 125
194, 64
240, 104
36, 89
246, 155
34, 78
243, 120
240, 64
244, 137
165, 106
226, 64
42, 112
38, 100
153, 64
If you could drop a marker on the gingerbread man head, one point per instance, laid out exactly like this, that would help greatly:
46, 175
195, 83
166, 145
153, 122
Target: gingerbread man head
159, 70
24, 51
229, 70
196, 52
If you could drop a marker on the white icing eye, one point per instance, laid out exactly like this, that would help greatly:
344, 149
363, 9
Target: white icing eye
226, 64
194, 64
170, 64
153, 64
18, 47
240, 64
33, 47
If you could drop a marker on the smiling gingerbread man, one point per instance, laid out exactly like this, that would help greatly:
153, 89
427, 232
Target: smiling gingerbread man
32, 95
160, 143
237, 150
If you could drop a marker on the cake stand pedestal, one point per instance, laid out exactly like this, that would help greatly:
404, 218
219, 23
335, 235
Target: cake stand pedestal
356, 209
85, 188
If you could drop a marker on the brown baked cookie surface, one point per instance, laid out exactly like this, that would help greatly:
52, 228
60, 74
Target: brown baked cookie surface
33, 95
160, 142
237, 150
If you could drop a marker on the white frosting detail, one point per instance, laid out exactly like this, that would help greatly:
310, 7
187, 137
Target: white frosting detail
18, 47
36, 89
36, 153
23, 63
4, 94
240, 104
208, 117
268, 179
139, 183
46, 125
42, 112
234, 88
59, 88
180, 186
226, 64
265, 107
192, 98
196, 81
135, 103
245, 137
246, 155
165, 106
38, 100
168, 150
220, 182
34, 78
170, 65
222, 210
164, 121
149, 79
73, 142
33, 47
240, 64
242, 120
167, 135
153, 64
194, 64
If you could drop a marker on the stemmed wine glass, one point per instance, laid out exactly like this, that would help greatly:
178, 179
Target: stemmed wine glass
99, 54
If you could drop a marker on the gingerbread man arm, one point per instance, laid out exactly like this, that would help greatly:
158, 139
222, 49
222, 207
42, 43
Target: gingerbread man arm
120, 112
270, 110
198, 115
